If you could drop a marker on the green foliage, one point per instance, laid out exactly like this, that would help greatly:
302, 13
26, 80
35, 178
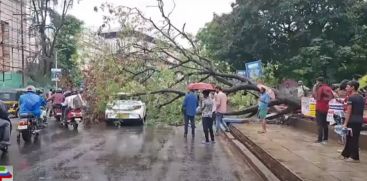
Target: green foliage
304, 38
67, 46
363, 82
241, 100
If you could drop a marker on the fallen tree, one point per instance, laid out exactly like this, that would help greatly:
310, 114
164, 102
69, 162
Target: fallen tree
151, 55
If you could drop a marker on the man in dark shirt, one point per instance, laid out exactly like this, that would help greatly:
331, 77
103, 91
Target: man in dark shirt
189, 110
323, 94
353, 121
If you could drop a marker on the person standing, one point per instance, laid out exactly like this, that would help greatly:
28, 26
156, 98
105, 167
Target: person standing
353, 121
212, 95
189, 107
207, 120
302, 90
49, 104
263, 104
221, 104
322, 94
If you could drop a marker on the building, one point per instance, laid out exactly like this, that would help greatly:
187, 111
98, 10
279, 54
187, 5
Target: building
17, 46
136, 43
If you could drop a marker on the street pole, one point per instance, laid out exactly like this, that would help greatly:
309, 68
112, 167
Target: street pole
22, 41
56, 67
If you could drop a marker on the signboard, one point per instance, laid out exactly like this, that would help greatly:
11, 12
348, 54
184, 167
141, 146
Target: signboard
241, 73
55, 74
254, 69
308, 106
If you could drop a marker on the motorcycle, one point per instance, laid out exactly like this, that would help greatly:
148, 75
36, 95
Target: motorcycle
74, 117
27, 126
3, 146
57, 109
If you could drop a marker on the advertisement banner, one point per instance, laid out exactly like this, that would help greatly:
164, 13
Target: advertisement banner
55, 74
308, 106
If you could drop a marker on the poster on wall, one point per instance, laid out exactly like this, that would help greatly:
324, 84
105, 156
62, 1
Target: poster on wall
308, 107
55, 74
254, 69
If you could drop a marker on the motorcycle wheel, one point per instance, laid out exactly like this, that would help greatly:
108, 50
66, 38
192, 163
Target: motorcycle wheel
26, 135
58, 119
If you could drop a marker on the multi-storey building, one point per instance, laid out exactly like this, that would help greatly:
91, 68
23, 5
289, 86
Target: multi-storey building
17, 46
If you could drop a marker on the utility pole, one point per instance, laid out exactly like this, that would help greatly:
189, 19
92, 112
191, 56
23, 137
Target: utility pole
22, 39
56, 63
56, 82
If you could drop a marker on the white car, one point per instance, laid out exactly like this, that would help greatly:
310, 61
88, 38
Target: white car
126, 110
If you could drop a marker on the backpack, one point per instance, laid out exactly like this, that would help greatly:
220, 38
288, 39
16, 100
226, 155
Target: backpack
77, 101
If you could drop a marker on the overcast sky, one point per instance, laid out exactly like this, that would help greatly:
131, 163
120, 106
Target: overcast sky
195, 13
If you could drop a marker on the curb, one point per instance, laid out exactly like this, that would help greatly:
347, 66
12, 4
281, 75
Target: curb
262, 171
277, 168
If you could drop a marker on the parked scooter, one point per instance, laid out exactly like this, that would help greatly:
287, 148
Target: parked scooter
27, 126
74, 117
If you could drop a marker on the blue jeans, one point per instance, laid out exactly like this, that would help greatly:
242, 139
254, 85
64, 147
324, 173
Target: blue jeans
218, 121
192, 121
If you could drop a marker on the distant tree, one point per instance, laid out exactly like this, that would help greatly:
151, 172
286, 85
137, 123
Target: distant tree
305, 38
67, 44
42, 13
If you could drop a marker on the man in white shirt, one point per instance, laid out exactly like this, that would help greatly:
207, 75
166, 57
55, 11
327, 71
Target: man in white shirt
301, 89
69, 103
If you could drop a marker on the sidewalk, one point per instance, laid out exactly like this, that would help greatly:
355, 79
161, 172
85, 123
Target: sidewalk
297, 155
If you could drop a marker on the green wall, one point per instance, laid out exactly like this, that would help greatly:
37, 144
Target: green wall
10, 80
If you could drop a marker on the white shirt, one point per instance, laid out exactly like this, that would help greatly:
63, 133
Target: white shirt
70, 103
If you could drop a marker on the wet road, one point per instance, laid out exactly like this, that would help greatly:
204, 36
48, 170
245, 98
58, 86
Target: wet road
128, 153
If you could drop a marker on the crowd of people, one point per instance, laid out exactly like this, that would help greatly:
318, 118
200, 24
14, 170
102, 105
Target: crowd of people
353, 101
212, 106
351, 119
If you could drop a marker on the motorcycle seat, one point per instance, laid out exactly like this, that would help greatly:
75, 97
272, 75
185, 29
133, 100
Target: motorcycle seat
26, 115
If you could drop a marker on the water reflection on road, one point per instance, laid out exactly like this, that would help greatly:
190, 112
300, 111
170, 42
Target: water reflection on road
126, 153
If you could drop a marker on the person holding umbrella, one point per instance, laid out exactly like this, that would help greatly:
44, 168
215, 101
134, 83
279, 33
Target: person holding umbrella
191, 103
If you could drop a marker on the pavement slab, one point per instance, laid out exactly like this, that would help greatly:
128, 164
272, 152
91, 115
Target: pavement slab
295, 150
